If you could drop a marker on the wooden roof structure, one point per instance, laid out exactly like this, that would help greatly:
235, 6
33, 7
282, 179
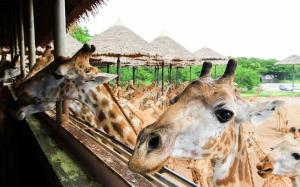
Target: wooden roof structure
208, 55
172, 52
292, 60
43, 11
119, 40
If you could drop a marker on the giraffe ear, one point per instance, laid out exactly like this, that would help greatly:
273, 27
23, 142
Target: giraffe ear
101, 78
258, 112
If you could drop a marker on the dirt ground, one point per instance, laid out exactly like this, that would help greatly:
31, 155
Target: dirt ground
266, 134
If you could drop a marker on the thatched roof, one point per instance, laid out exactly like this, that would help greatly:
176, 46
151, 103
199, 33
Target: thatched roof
125, 61
172, 51
43, 17
118, 40
72, 46
293, 59
208, 55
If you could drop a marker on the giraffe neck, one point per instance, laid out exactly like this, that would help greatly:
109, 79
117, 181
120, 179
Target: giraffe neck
234, 169
109, 114
257, 148
296, 181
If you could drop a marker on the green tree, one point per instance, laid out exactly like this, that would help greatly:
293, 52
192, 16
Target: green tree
81, 34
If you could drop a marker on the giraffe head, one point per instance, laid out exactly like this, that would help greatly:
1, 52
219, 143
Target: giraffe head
9, 70
63, 79
198, 122
284, 158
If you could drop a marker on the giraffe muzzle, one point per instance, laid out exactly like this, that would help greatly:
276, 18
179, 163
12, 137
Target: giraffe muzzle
265, 169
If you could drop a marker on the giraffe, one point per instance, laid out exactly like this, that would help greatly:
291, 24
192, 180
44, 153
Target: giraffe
46, 58
278, 181
9, 70
204, 122
284, 158
101, 109
63, 79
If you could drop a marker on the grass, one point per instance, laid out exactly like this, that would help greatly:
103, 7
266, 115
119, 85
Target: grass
268, 94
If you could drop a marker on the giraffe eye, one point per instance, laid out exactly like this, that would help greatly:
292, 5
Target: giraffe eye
296, 156
153, 143
272, 148
223, 115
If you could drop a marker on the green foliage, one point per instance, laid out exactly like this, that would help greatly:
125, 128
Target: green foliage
247, 76
81, 34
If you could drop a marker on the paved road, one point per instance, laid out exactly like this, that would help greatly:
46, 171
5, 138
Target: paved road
275, 86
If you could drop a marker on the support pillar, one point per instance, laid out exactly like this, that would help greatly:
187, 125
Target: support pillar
190, 73
170, 74
107, 67
118, 70
176, 76
60, 49
162, 78
32, 57
133, 74
22, 39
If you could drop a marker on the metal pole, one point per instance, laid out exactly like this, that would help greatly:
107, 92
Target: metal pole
16, 34
118, 70
22, 40
32, 58
133, 74
162, 78
177, 75
158, 74
60, 47
190, 73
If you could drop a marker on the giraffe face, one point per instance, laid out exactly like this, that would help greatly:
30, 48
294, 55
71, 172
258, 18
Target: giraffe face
63, 79
194, 126
284, 158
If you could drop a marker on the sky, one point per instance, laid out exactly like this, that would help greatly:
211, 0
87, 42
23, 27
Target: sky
248, 28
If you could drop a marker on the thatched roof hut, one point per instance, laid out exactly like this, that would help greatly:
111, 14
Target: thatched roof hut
208, 55
120, 41
72, 46
172, 52
43, 13
293, 59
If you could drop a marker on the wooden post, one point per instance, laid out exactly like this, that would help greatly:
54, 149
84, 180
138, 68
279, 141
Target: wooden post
294, 71
190, 73
170, 74
162, 77
118, 71
133, 74
17, 51
154, 75
60, 48
32, 58
22, 39
215, 71
176, 75
107, 67
158, 74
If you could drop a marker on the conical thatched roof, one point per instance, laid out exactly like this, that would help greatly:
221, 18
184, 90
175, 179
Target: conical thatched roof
293, 59
119, 40
208, 55
72, 45
172, 51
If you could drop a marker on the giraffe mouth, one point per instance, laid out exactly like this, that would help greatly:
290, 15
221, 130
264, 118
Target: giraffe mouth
264, 170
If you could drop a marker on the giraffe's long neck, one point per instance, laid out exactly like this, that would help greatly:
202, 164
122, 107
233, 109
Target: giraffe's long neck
296, 181
234, 169
109, 114
257, 148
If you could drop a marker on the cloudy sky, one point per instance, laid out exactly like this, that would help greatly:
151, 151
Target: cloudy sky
250, 28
